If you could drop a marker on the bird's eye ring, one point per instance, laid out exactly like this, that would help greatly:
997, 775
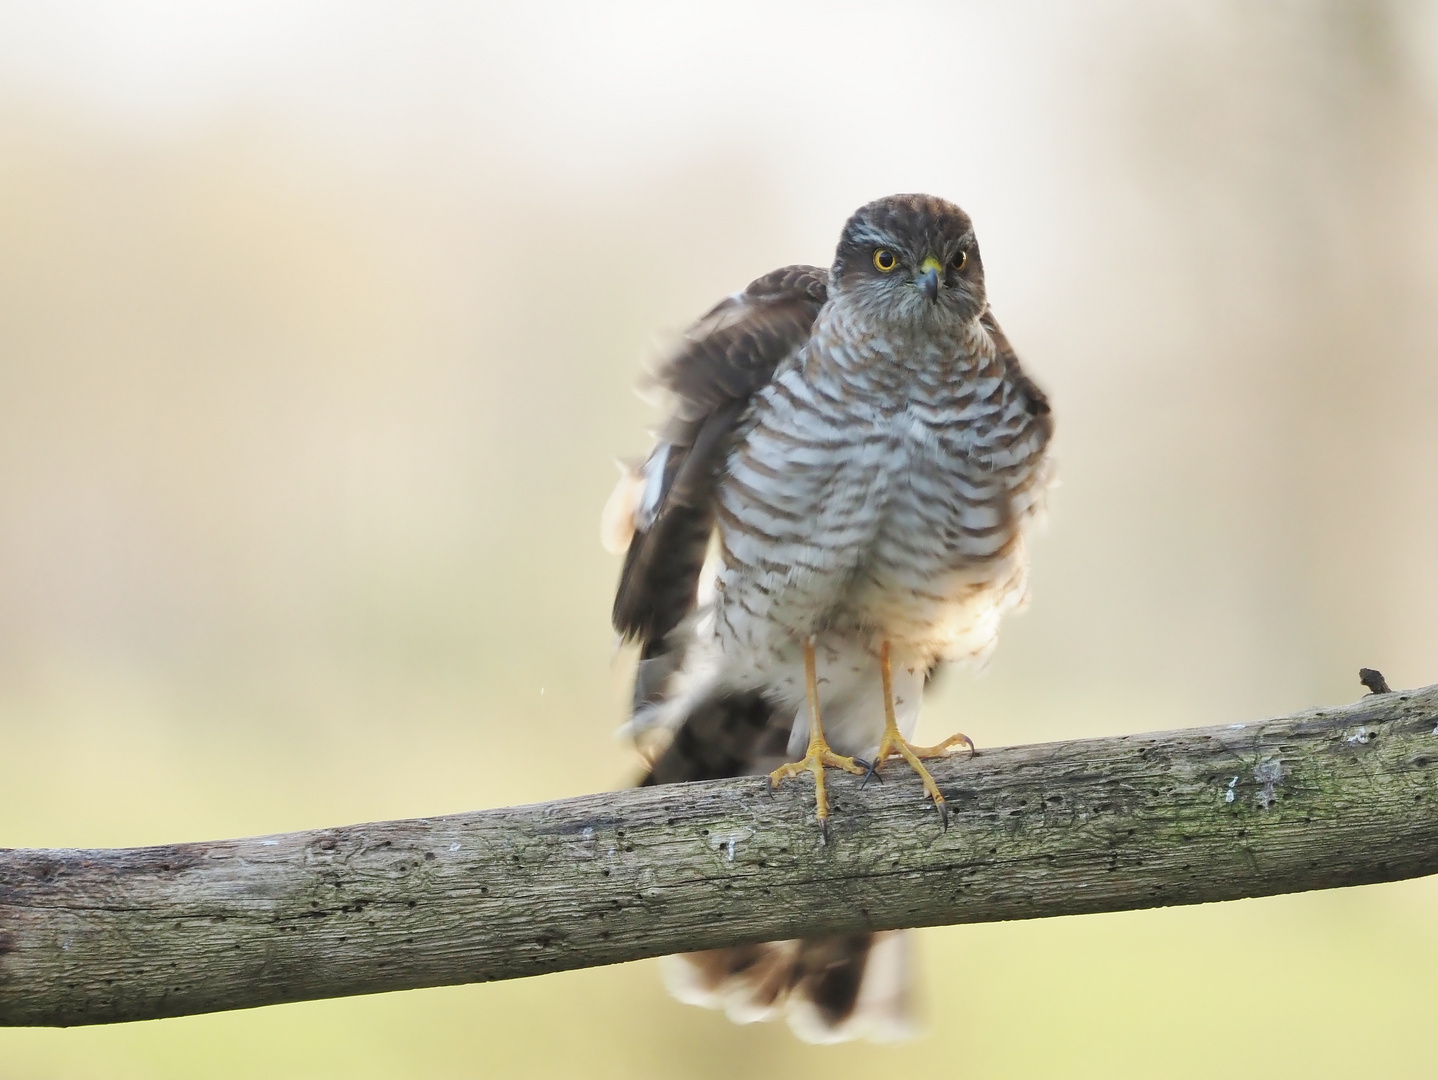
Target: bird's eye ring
884, 260
960, 260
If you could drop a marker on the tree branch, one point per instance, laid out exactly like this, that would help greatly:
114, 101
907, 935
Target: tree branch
1322, 799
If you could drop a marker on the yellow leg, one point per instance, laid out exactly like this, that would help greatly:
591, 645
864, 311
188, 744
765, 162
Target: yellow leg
894, 744
819, 754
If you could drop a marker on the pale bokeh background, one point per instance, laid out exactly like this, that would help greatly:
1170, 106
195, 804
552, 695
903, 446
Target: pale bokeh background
318, 326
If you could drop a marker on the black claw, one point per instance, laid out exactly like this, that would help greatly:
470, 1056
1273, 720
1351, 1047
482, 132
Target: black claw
943, 809
824, 830
871, 771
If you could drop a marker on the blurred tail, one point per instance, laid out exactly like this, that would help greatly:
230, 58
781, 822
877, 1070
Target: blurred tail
830, 989
721, 736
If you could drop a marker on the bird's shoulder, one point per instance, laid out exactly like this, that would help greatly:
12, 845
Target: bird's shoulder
733, 349
1035, 400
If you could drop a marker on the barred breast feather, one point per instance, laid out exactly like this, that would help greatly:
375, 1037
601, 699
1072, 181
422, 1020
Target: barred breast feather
880, 490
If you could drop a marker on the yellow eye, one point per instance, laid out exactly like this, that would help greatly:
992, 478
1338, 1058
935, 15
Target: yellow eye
884, 260
960, 260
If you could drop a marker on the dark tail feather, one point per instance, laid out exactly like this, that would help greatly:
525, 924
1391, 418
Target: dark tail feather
720, 737
831, 989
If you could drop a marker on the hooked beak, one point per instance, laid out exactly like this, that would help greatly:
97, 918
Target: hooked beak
928, 279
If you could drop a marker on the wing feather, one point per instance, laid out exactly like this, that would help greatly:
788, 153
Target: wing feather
1038, 401
720, 362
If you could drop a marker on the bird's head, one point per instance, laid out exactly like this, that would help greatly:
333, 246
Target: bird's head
911, 258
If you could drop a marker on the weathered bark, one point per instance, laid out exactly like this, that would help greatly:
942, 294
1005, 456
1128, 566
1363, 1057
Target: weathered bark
1322, 799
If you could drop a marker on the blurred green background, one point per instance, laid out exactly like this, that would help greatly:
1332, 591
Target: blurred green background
318, 327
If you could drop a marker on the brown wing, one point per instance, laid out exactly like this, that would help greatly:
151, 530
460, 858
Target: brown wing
1038, 401
722, 360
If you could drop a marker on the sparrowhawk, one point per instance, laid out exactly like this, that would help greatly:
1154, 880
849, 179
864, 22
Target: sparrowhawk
837, 504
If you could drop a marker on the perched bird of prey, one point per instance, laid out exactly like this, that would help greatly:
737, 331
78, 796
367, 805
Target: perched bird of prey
836, 504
